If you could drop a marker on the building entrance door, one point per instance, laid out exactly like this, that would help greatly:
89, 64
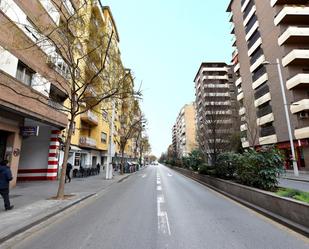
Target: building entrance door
3, 140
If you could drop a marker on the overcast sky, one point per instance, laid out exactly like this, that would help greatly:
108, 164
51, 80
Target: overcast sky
164, 43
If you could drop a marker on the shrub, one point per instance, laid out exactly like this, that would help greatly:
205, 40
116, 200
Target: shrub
205, 169
260, 169
227, 164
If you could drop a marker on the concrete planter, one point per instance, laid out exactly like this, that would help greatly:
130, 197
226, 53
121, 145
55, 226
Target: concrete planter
292, 213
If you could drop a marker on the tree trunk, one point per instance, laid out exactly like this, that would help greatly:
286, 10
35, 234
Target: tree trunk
122, 162
60, 193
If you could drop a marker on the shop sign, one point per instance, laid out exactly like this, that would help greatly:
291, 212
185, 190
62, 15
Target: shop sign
28, 131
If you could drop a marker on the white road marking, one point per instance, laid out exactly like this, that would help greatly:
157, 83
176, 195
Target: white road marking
144, 175
169, 174
163, 223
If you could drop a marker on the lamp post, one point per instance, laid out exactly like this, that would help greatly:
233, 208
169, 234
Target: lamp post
287, 116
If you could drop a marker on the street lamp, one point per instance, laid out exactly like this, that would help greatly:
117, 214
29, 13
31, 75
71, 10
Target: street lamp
287, 116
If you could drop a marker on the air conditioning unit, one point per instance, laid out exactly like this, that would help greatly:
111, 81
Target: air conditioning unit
303, 115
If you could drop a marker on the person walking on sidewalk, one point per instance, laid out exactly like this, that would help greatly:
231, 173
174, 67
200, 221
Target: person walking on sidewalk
68, 172
5, 178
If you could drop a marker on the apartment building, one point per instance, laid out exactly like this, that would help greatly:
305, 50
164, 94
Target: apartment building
184, 132
36, 85
215, 107
268, 33
29, 90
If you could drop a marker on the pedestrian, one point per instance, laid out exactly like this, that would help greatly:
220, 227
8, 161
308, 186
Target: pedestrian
5, 178
98, 168
68, 172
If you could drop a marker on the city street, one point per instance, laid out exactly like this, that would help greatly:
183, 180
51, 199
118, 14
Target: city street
159, 208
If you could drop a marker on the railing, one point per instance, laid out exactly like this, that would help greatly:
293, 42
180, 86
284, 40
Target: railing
250, 24
248, 9
258, 73
264, 111
260, 91
267, 131
254, 38
258, 53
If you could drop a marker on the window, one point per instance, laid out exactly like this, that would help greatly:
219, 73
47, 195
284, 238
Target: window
103, 137
24, 73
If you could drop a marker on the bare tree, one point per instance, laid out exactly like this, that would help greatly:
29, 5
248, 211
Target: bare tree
216, 126
83, 54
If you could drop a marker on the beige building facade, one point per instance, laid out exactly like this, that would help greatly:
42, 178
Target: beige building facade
184, 131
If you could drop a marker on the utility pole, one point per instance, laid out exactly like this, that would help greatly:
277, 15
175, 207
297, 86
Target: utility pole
111, 146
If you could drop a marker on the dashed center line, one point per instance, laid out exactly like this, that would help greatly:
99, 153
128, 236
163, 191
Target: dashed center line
163, 223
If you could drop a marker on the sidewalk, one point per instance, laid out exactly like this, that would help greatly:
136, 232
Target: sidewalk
33, 206
301, 182
303, 176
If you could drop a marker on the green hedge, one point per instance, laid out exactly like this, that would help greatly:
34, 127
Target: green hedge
258, 169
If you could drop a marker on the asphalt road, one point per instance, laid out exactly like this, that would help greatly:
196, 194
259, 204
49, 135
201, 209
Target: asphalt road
158, 208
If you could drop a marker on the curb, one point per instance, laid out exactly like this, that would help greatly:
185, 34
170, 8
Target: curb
25, 228
292, 225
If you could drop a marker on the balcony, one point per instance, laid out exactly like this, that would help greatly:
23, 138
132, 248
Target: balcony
271, 139
244, 4
262, 90
258, 73
264, 111
293, 15
251, 28
257, 62
36, 106
254, 42
238, 81
298, 81
245, 144
297, 57
265, 119
216, 86
90, 118
242, 111
267, 131
244, 127
216, 77
301, 133
249, 13
237, 67
259, 80
299, 106
262, 100
87, 142
294, 35
281, 2
215, 69
240, 96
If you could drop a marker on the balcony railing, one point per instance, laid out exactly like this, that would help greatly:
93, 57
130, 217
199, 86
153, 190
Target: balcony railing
87, 142
90, 118
267, 131
248, 9
258, 73
250, 24
260, 91
258, 53
264, 111
253, 39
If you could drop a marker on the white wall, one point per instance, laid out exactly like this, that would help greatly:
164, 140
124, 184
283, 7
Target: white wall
40, 84
8, 62
34, 150
51, 10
